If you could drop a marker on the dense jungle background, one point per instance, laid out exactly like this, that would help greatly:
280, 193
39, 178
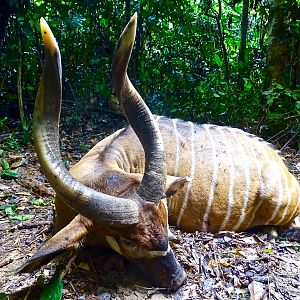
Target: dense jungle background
226, 62
233, 62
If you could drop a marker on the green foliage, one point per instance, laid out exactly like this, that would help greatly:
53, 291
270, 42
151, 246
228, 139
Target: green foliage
185, 62
6, 172
84, 147
11, 143
3, 126
12, 214
53, 290
27, 132
3, 296
14, 142
286, 115
40, 202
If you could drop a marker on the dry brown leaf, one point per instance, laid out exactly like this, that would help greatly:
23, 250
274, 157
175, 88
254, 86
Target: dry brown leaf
257, 291
84, 266
17, 163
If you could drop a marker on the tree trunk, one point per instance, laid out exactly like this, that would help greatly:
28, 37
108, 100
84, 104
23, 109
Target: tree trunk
19, 75
222, 40
243, 42
127, 10
277, 52
6, 11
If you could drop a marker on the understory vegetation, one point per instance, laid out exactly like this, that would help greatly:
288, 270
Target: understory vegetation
225, 62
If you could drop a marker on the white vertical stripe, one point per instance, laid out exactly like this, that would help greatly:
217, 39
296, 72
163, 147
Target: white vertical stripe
230, 199
263, 187
171, 203
213, 179
177, 147
288, 202
192, 172
297, 207
279, 201
157, 118
259, 174
245, 164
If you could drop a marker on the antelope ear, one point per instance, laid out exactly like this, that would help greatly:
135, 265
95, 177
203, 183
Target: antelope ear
174, 184
68, 238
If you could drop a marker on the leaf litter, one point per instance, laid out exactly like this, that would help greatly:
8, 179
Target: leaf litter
225, 265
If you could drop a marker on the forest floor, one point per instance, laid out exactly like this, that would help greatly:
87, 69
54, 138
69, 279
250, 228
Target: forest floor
226, 265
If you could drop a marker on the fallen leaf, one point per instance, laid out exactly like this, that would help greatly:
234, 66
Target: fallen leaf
257, 291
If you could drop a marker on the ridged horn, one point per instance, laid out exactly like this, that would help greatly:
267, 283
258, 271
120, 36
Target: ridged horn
94, 205
152, 187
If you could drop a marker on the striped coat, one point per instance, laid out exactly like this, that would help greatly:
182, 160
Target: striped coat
236, 180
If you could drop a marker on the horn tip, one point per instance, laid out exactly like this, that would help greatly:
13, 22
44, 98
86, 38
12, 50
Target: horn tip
48, 37
134, 18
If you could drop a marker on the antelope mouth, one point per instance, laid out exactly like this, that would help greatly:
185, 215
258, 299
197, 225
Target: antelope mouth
163, 271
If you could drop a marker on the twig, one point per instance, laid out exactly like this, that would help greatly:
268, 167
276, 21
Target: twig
219, 273
67, 268
32, 225
73, 288
6, 262
285, 145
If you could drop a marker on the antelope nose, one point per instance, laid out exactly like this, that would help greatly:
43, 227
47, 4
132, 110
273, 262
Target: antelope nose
163, 271
162, 245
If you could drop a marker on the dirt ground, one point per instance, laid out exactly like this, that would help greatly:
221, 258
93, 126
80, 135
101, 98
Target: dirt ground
226, 265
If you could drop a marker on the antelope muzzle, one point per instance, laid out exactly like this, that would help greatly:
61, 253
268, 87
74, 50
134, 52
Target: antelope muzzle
162, 271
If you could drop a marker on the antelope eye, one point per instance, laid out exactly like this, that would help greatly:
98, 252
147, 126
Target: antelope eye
127, 241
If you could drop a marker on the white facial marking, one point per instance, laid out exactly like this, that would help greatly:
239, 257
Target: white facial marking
158, 253
213, 179
164, 201
113, 244
192, 172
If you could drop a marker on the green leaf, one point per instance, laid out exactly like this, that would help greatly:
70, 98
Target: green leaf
268, 250
298, 107
275, 116
279, 86
25, 217
11, 173
40, 202
5, 164
104, 22
269, 92
53, 290
1, 151
9, 209
247, 84
218, 60
270, 100
3, 296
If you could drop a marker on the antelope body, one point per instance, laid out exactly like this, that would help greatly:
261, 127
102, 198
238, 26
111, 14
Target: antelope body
236, 181
123, 192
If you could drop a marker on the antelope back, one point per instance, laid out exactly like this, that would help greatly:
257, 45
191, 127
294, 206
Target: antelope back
237, 181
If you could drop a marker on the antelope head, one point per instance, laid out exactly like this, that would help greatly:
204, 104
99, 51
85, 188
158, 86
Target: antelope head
134, 224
